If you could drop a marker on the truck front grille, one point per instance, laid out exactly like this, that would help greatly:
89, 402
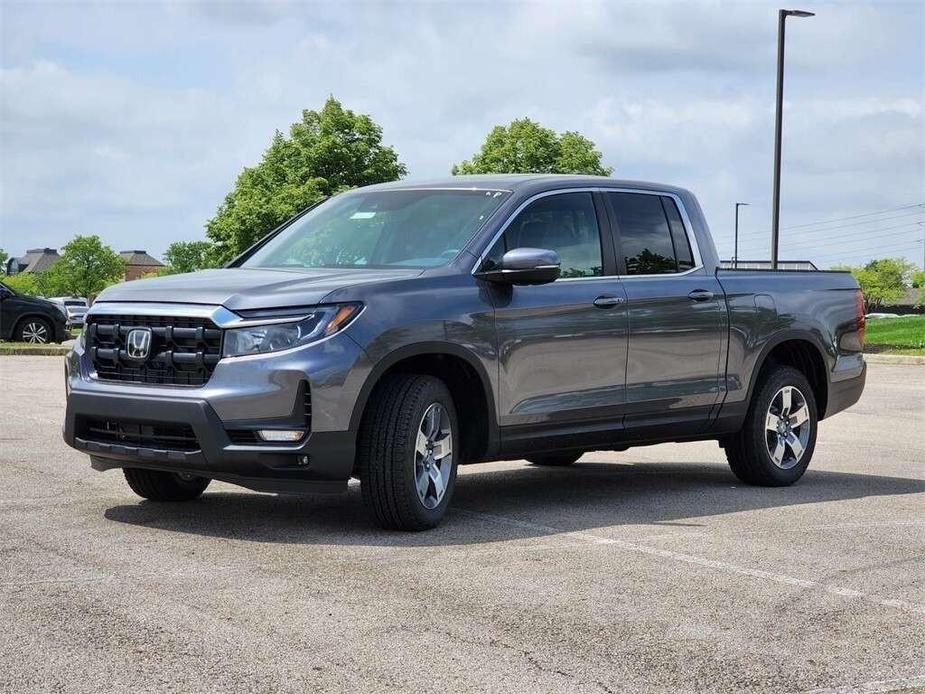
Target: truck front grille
168, 436
182, 352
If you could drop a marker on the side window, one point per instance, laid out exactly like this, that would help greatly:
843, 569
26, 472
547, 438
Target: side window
682, 245
564, 223
646, 239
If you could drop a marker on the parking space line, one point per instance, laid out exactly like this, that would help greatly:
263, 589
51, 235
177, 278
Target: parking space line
878, 687
727, 567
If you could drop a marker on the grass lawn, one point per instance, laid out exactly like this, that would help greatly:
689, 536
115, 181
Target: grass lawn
904, 335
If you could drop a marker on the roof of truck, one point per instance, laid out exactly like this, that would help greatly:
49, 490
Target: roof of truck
515, 182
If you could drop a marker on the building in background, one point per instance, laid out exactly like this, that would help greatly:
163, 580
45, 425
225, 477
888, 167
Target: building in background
35, 260
139, 263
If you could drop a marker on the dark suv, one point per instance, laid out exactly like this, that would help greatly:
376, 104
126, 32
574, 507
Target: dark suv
30, 319
396, 331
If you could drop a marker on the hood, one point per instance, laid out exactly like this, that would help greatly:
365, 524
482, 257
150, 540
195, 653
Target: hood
249, 288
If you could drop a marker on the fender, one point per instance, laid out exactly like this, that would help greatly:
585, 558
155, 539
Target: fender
784, 336
433, 348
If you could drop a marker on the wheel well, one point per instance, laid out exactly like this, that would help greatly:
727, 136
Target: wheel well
468, 391
803, 356
23, 319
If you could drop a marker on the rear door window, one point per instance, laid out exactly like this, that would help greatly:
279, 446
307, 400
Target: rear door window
650, 234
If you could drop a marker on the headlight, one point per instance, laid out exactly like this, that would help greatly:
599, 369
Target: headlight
323, 322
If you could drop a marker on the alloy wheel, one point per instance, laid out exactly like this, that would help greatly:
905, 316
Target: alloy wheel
35, 333
433, 455
787, 427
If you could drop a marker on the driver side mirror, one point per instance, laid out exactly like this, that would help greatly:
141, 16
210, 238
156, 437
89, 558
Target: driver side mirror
524, 266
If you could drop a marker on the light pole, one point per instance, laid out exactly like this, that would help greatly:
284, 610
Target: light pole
775, 203
735, 250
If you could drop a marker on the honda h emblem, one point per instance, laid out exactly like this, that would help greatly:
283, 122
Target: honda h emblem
138, 344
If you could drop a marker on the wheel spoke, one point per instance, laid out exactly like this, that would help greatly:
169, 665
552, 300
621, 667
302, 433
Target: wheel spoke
770, 422
443, 447
795, 445
799, 417
778, 454
422, 482
786, 395
433, 422
437, 478
420, 444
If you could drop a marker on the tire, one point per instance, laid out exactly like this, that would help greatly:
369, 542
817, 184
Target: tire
165, 486
555, 459
34, 330
751, 452
406, 484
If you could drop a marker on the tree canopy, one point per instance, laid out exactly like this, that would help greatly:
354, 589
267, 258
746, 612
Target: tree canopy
327, 151
525, 146
883, 280
86, 268
186, 256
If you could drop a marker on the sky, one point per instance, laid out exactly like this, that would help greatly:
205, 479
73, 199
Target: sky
132, 120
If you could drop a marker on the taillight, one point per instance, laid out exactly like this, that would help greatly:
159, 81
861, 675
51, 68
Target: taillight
861, 317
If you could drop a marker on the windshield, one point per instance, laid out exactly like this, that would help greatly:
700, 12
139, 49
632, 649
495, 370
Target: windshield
394, 228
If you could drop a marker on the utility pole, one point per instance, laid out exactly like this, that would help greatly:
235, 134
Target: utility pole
778, 123
735, 250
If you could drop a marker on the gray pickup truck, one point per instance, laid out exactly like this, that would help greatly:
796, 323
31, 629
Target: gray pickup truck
396, 331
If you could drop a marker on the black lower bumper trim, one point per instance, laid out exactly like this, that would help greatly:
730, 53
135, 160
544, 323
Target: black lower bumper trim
322, 463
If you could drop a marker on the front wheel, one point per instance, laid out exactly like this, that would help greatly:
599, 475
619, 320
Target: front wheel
36, 331
406, 453
165, 486
776, 443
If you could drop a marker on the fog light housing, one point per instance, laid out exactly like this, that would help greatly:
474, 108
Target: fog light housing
281, 435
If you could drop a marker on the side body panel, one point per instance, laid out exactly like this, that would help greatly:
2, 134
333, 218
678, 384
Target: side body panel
767, 308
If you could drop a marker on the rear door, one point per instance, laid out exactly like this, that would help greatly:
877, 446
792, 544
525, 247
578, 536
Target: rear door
562, 345
676, 317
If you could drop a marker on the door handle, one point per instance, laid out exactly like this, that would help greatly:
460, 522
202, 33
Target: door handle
701, 295
608, 301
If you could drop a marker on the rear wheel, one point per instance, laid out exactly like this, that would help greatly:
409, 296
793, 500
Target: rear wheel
406, 452
36, 331
165, 486
554, 459
777, 441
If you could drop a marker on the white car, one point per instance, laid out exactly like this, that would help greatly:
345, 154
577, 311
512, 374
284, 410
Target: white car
75, 307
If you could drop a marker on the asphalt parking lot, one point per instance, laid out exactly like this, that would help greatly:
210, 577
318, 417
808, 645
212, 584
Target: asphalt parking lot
652, 570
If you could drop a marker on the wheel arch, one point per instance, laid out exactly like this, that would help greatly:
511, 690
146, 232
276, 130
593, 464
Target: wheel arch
802, 351
26, 316
465, 376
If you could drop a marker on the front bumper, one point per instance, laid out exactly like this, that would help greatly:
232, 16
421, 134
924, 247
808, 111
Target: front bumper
244, 393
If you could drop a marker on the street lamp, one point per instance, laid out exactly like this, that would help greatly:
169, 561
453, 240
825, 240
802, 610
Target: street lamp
775, 203
735, 250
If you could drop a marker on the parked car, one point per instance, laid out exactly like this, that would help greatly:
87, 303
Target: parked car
30, 319
75, 307
397, 331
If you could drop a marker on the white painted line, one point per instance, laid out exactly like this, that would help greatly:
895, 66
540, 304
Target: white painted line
877, 687
702, 561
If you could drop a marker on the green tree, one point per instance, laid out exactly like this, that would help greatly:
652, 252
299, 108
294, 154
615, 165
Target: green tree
23, 283
186, 256
4, 256
87, 266
327, 151
525, 146
883, 280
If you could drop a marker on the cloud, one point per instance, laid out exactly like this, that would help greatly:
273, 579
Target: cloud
133, 121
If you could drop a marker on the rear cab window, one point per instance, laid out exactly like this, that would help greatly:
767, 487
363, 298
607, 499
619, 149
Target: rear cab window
649, 234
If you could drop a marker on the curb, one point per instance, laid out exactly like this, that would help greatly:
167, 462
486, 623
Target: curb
49, 351
894, 359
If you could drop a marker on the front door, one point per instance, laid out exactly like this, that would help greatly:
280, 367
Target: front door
561, 346
677, 321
